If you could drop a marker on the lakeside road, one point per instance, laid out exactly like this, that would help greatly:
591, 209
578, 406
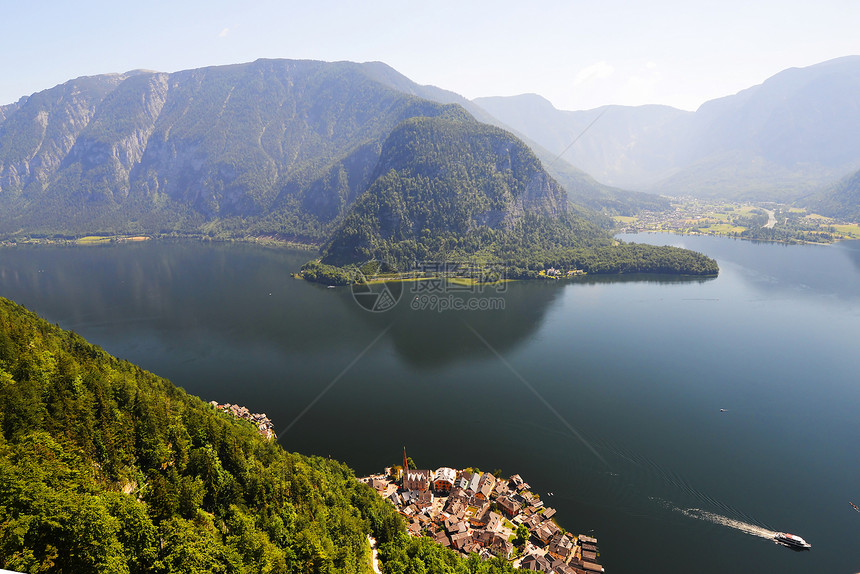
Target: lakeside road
374, 554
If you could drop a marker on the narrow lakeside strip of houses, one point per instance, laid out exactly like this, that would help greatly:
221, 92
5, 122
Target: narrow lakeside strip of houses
479, 513
265, 426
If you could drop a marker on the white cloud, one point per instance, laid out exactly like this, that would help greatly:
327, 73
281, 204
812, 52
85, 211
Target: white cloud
224, 33
596, 71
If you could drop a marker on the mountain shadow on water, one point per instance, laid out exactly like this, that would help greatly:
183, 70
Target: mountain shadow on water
154, 302
852, 248
424, 334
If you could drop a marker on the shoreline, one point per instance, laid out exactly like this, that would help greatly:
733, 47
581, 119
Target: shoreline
97, 240
471, 512
729, 236
767, 221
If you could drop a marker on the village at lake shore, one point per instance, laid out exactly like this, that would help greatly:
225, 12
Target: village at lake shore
260, 420
482, 513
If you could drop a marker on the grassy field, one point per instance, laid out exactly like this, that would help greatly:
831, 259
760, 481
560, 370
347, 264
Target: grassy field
852, 230
724, 228
93, 240
624, 218
101, 239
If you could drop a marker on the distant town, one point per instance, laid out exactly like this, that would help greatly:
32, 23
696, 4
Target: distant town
767, 221
480, 513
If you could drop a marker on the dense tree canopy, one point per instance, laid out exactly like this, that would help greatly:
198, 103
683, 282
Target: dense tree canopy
105, 467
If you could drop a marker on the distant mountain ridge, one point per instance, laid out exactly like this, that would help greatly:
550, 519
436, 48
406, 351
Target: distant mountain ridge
581, 187
779, 140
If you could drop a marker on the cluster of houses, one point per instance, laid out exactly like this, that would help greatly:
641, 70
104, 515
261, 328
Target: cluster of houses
553, 273
473, 512
262, 422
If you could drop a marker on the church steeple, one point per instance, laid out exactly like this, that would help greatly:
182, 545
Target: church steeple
405, 466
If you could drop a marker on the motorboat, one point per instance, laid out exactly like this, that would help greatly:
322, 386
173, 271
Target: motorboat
791, 540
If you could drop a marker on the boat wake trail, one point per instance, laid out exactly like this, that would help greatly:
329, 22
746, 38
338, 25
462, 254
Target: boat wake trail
639, 470
745, 527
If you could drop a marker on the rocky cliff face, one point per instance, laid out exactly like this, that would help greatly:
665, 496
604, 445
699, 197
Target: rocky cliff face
39, 132
107, 150
270, 147
288, 142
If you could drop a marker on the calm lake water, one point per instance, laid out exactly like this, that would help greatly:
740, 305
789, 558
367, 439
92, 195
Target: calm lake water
607, 393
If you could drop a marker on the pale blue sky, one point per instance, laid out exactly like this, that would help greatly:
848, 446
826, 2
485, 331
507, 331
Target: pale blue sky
577, 54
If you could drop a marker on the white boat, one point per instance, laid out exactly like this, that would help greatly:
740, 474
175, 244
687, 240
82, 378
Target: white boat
792, 540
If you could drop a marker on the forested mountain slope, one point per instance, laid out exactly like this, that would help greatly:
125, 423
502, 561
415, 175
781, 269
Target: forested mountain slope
105, 467
449, 189
841, 200
455, 187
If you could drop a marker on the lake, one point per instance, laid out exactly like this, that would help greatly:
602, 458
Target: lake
679, 421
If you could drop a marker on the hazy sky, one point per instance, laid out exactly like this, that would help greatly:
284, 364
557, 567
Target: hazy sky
577, 54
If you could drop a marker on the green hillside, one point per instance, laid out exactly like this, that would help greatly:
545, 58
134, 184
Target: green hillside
105, 467
449, 188
841, 200
453, 187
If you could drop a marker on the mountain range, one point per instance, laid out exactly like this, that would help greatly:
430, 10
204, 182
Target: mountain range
339, 154
285, 147
792, 135
581, 187
349, 156
269, 147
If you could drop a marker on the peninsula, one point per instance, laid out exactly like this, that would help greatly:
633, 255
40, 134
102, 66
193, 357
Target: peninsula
481, 513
